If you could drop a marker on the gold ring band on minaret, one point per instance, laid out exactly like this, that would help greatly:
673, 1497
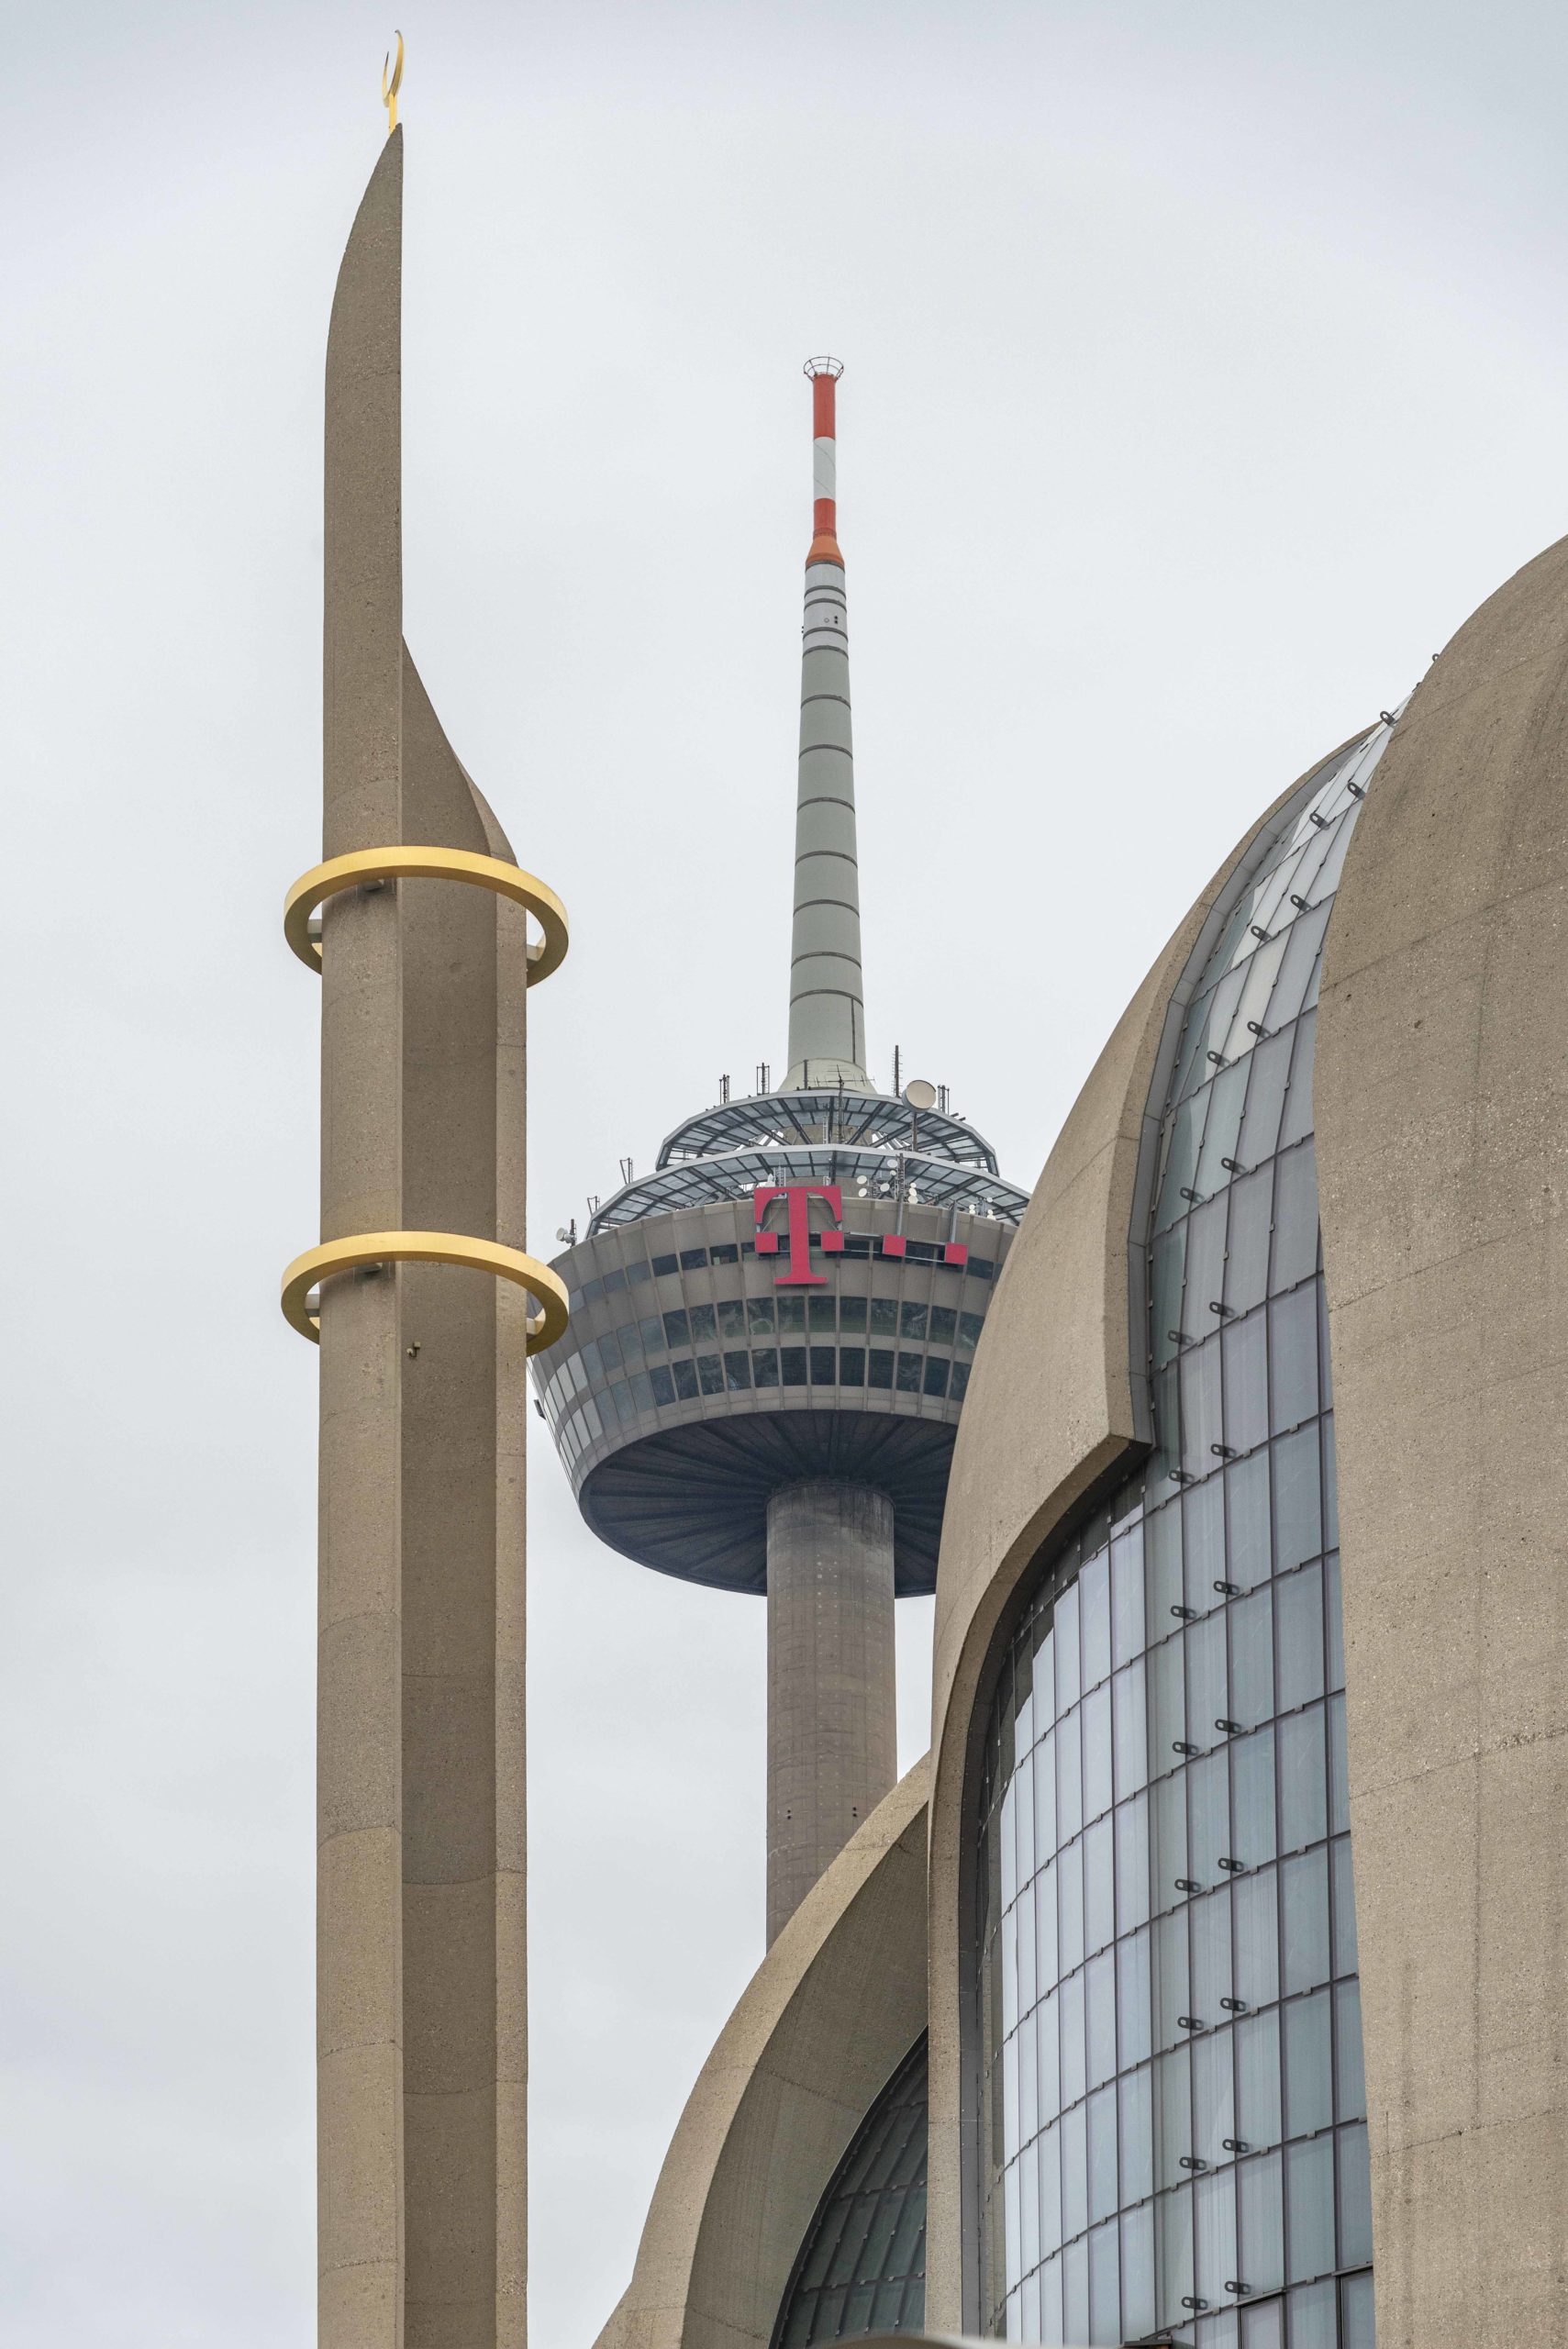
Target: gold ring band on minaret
367, 1248
365, 865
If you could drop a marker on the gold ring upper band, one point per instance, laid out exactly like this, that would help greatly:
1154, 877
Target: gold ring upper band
366, 1248
366, 864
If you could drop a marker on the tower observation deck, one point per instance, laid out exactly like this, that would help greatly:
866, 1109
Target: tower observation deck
771, 1333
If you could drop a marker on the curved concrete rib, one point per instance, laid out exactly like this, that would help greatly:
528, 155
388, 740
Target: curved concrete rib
836, 2004
1441, 1098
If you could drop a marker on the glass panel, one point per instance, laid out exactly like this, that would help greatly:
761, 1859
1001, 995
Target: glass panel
1265, 1100
1339, 1770
1292, 1357
1246, 1382
1215, 2214
1074, 2171
1174, 2243
1299, 1604
1127, 1596
1355, 2197
1097, 1719
1303, 1779
1094, 1603
1251, 1558
1247, 1258
1102, 2155
1135, 1997
1308, 2070
1356, 2325
1137, 2315
1068, 1682
1105, 2284
1131, 1729
1253, 1900
1305, 1888
1312, 2323
1258, 2094
1263, 2326
1252, 1795
1262, 2223
1298, 1520
1207, 1703
1349, 2090
1203, 1537
759, 1316
1295, 1217
1345, 1959
1099, 1888
1135, 2094
1213, 2100
1253, 1657
1211, 1964
1297, 1120
1206, 1268
1310, 2205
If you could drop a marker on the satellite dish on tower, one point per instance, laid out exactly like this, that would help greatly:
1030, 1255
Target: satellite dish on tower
919, 1094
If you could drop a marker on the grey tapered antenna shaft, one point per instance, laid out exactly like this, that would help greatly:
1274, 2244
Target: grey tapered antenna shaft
827, 1007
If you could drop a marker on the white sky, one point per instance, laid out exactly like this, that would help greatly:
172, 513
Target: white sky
1205, 366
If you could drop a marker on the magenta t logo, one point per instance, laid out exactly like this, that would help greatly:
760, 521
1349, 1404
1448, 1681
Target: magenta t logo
799, 1195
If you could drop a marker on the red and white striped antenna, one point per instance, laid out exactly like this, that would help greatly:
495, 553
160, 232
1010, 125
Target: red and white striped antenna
824, 376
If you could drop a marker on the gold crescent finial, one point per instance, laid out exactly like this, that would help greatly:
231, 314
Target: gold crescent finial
391, 82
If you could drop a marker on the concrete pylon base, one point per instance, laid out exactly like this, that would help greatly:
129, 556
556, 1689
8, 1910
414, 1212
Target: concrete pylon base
832, 1732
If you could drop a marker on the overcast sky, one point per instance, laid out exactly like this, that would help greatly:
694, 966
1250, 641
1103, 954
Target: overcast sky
1206, 365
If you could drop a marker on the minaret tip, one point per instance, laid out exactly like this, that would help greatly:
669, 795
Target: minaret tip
391, 82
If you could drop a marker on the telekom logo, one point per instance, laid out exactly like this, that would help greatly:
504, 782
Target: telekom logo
799, 1195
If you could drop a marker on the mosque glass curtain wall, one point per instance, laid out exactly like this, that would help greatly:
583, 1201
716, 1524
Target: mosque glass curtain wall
862, 2265
1173, 2115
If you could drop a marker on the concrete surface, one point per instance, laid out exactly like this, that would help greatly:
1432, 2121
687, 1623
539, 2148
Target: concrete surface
1442, 1096
832, 1727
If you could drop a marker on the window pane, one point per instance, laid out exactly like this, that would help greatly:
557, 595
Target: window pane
1298, 1601
1312, 2323
1099, 1888
1310, 2205
1262, 2223
1265, 1099
1253, 1657
1344, 1909
1257, 2091
1131, 1729
1138, 2273
1246, 1383
1215, 2214
1252, 1784
1247, 1264
1247, 1519
760, 1316
1350, 2093
1136, 2093
1095, 1601
1356, 2325
1296, 1218
1135, 1997
1127, 1596
1303, 1779
1102, 2155
1305, 1888
1213, 2100
1253, 1901
1309, 2083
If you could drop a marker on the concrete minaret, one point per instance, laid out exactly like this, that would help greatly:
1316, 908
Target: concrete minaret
827, 1007
416, 1296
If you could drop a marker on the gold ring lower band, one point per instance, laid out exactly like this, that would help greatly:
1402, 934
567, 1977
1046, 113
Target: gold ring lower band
426, 1248
365, 865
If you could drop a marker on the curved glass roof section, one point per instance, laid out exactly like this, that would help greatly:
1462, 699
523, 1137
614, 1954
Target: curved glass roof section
862, 2265
862, 1174
872, 1120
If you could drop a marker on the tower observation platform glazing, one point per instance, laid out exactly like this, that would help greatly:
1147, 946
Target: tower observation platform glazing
771, 1333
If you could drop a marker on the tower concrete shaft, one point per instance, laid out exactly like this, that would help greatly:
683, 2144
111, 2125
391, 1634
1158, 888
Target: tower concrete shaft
421, 1999
832, 1730
826, 1007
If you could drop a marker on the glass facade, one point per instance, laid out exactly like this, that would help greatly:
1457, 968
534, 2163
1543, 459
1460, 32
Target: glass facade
665, 1352
862, 2265
1173, 2117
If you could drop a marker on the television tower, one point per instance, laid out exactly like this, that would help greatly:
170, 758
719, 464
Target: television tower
772, 1332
